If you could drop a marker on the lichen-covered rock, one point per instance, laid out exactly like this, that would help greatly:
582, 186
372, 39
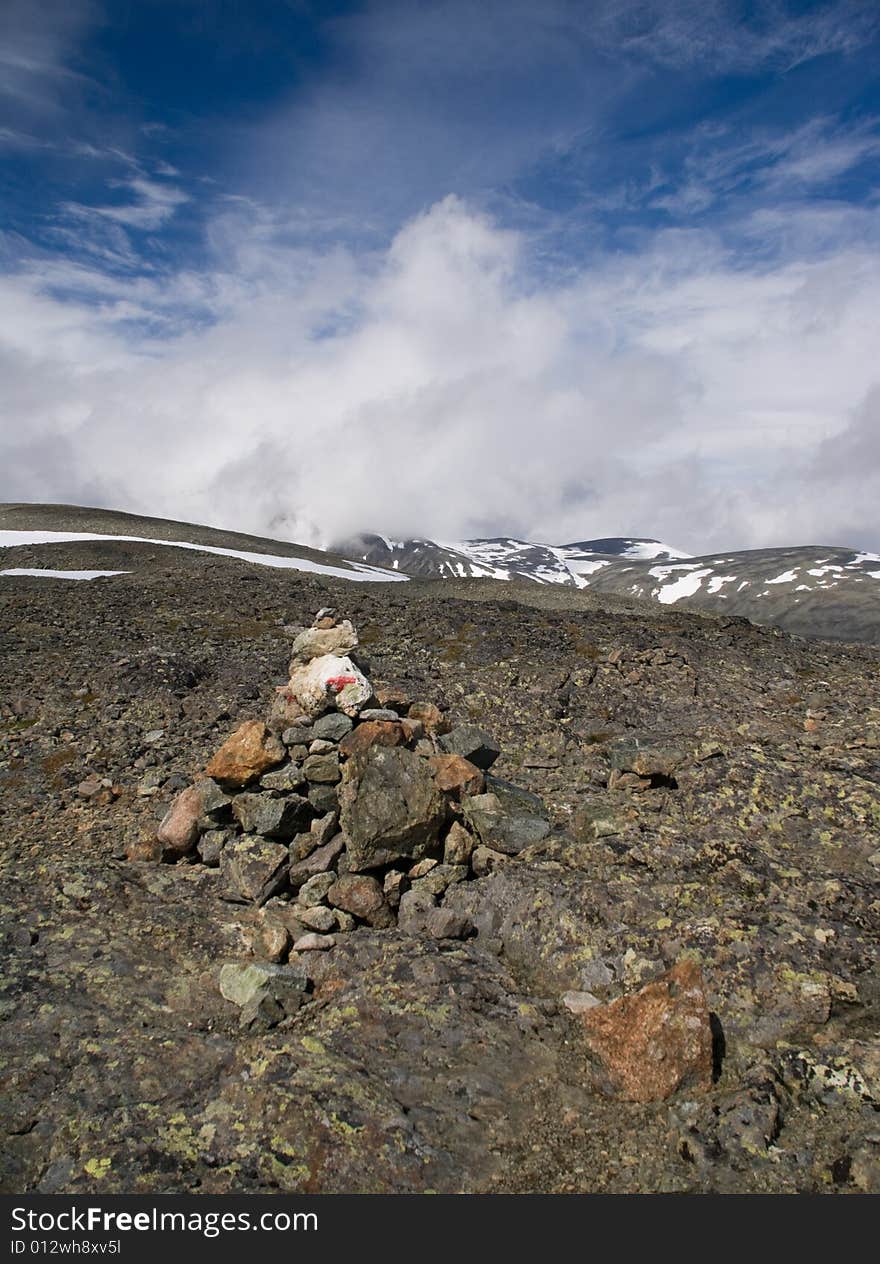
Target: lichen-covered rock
506, 818
263, 813
253, 868
323, 768
332, 727
389, 807
246, 755
654, 1041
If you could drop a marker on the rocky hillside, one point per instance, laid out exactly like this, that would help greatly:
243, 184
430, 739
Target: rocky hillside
669, 824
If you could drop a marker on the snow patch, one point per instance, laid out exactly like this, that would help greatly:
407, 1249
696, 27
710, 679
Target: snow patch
358, 573
685, 586
47, 574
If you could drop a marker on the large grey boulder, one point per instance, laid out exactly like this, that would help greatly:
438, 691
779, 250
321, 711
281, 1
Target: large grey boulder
389, 807
506, 818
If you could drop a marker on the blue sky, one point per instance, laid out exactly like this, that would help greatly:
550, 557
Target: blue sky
554, 269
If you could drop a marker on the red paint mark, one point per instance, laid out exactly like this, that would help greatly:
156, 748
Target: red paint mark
338, 683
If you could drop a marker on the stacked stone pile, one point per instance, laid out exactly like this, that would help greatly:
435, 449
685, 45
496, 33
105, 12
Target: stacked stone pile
350, 806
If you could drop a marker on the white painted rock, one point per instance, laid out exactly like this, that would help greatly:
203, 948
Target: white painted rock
330, 681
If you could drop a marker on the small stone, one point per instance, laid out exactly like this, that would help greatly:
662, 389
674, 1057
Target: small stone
413, 730
145, 850
315, 890
442, 923
656, 1040
317, 917
344, 921
323, 769
422, 868
319, 861
242, 984
372, 733
273, 818
154, 735
321, 747
314, 943
332, 727
211, 844
455, 775
286, 711
579, 1002
284, 780
362, 896
394, 885
216, 805
484, 860
379, 713
239, 984
88, 788
273, 941
442, 877
473, 744
393, 696
246, 755
430, 716
298, 735
459, 845
323, 798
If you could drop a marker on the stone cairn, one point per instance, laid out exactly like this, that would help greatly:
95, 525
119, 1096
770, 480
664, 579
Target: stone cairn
359, 807
350, 806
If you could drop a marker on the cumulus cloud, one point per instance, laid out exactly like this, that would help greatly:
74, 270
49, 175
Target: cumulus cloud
442, 387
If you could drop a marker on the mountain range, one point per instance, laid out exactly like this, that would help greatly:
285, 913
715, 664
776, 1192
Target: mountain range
822, 591
810, 590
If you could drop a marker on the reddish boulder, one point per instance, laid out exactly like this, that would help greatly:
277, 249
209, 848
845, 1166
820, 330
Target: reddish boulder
179, 831
654, 1041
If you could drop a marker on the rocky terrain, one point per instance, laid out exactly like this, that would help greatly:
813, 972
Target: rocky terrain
631, 946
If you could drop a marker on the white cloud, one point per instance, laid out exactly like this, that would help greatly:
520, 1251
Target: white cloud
440, 388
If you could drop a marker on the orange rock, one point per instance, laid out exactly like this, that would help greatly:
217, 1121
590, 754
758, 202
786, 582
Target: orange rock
246, 755
372, 733
656, 1040
456, 775
431, 717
